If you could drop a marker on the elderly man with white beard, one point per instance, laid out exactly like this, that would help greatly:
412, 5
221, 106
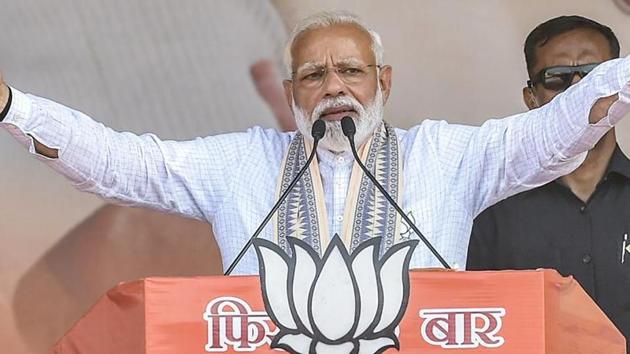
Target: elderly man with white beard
442, 174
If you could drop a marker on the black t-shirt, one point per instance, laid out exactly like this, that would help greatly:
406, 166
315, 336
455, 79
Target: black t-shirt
549, 227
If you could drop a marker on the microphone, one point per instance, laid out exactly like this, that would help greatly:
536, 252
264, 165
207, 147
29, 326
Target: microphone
349, 129
317, 132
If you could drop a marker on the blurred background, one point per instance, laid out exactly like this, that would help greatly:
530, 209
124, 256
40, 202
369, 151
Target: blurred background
182, 69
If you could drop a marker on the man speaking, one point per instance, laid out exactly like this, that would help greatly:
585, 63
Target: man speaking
443, 175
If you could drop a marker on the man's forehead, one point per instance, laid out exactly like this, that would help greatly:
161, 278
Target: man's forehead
338, 42
573, 45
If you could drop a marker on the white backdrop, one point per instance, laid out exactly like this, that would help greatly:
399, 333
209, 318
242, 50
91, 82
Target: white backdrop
180, 69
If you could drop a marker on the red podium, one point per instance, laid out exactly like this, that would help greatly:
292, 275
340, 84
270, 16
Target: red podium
507, 312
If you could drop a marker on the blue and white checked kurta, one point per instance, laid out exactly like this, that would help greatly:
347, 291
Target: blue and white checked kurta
451, 172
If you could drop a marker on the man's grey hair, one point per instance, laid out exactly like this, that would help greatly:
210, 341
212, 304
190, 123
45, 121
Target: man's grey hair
327, 19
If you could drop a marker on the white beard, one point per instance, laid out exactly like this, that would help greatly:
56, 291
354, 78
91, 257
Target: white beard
367, 119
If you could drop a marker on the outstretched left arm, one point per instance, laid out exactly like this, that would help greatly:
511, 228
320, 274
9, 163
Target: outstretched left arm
507, 156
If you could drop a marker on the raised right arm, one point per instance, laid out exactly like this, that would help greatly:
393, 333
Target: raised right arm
191, 178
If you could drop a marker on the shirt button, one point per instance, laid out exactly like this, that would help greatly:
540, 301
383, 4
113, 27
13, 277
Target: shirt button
583, 209
586, 259
340, 159
339, 218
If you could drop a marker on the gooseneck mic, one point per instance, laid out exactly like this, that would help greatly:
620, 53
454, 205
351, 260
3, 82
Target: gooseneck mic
349, 129
317, 132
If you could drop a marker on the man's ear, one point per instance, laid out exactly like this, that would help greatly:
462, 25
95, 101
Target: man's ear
385, 79
288, 92
529, 98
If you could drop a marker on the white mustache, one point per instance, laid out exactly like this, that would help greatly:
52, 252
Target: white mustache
366, 119
329, 103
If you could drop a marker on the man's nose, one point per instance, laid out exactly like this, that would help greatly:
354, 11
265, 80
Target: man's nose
333, 85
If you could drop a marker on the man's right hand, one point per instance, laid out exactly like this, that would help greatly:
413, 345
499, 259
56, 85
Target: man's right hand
39, 147
4, 93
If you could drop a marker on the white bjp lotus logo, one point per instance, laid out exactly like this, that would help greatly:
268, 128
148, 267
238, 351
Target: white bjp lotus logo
340, 303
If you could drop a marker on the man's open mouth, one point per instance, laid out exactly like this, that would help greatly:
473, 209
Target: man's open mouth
336, 113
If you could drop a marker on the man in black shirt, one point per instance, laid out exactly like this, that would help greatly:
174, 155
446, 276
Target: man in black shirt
578, 224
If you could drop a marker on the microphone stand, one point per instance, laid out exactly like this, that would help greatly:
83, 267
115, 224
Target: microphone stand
318, 130
349, 129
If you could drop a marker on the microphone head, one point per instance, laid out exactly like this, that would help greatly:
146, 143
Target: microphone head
318, 130
348, 127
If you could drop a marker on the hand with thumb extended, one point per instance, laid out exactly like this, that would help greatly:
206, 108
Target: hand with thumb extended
4, 93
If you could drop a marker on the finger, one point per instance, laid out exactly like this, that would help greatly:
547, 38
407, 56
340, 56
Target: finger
621, 107
601, 107
4, 94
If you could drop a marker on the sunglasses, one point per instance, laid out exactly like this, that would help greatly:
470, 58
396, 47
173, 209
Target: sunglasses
559, 78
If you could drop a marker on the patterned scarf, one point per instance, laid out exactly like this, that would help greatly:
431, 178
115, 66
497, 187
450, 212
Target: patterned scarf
367, 213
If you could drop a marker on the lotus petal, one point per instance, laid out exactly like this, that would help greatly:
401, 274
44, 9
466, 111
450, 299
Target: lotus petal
303, 276
296, 343
377, 345
274, 276
394, 275
363, 265
343, 348
333, 301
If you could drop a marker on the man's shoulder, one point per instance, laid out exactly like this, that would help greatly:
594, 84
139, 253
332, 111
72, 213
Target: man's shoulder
437, 127
270, 133
258, 135
438, 136
253, 143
